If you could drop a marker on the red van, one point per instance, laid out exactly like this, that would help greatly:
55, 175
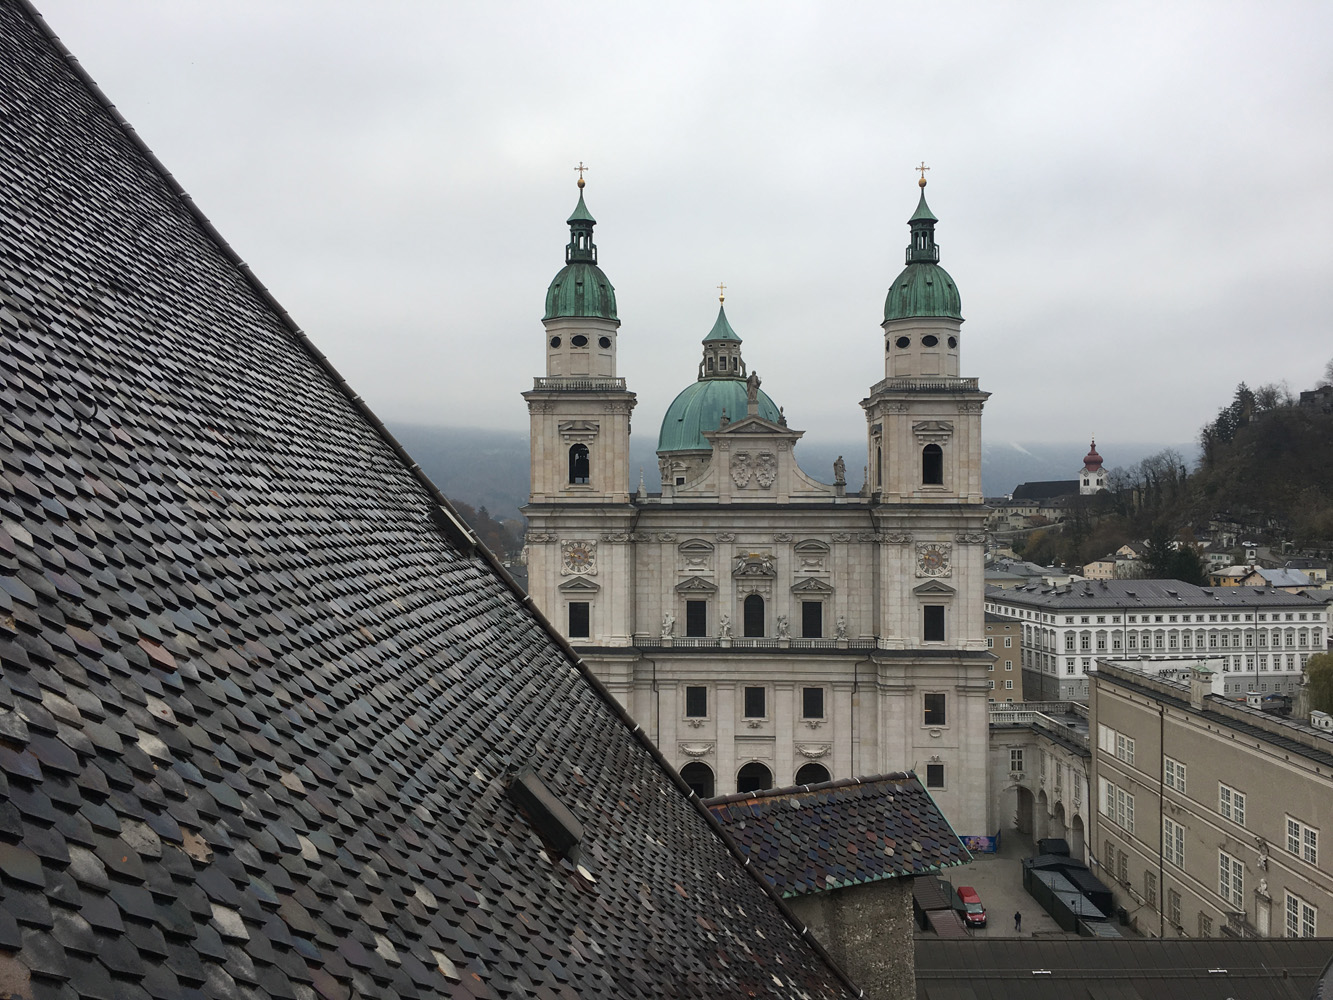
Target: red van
974, 914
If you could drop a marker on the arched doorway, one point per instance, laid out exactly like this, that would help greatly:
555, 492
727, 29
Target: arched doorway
578, 463
1041, 821
1058, 822
1027, 807
754, 616
754, 777
699, 776
812, 774
1076, 844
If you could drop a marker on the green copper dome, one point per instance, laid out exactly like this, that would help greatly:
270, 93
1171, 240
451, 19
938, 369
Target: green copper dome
923, 288
721, 329
699, 408
581, 289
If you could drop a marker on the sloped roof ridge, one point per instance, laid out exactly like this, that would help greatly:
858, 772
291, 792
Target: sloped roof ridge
414, 469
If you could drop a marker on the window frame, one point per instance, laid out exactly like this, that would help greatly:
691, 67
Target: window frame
750, 691
934, 713
806, 691
586, 612
933, 623
702, 690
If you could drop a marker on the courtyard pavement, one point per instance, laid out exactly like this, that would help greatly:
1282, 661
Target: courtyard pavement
998, 879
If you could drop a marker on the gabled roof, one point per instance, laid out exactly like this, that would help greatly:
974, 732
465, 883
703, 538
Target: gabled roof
1133, 595
261, 695
849, 832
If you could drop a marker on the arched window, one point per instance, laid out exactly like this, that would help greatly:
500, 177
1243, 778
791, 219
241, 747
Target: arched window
699, 776
812, 774
754, 616
754, 777
932, 465
578, 463
879, 467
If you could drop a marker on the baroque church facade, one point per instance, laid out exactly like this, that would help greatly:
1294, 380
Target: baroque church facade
764, 627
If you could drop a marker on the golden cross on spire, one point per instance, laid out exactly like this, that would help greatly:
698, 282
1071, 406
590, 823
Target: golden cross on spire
721, 288
580, 168
923, 168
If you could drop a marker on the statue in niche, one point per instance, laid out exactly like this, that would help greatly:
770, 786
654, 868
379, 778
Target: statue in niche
668, 625
724, 627
784, 630
839, 472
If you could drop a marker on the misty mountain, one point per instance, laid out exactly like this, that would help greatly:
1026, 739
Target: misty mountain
489, 468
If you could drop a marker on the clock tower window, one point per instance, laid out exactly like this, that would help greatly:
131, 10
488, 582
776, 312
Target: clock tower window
932, 465
579, 619
578, 463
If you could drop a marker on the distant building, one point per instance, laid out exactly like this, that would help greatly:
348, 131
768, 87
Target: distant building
1210, 813
1004, 638
1039, 767
1092, 477
1264, 636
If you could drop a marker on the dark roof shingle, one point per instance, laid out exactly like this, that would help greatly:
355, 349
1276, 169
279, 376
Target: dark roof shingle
257, 698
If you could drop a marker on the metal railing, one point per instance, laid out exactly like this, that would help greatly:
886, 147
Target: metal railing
749, 642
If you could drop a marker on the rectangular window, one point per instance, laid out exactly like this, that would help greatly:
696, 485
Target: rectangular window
1008, 664
1150, 889
696, 619
579, 619
1016, 759
1205, 925
1231, 804
1173, 907
1008, 685
1302, 840
812, 619
1173, 842
812, 703
696, 702
1231, 880
933, 623
1174, 774
1122, 868
754, 702
1301, 917
934, 710
1118, 806
1124, 748
934, 775
1008, 642
990, 643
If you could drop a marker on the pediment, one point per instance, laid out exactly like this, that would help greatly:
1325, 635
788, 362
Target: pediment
695, 585
579, 585
811, 586
934, 588
811, 546
696, 545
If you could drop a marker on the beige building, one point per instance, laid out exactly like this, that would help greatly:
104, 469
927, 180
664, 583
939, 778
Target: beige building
765, 627
1004, 638
1209, 811
1039, 771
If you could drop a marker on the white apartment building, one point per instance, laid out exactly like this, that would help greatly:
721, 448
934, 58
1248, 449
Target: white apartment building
1262, 636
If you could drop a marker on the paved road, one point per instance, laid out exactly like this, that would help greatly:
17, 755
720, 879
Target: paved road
998, 879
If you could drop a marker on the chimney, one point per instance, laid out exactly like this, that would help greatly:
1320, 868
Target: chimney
1201, 686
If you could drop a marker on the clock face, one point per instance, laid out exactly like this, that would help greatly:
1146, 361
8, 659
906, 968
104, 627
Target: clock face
932, 559
578, 555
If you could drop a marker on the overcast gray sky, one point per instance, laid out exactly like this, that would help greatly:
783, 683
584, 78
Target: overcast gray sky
1134, 199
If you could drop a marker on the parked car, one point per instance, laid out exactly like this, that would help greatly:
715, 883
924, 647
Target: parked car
974, 914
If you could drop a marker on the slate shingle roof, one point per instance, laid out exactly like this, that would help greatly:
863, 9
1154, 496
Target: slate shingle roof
848, 832
256, 708
1132, 595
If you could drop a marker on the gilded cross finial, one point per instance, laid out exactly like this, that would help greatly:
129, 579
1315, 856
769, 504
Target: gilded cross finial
580, 168
721, 289
923, 168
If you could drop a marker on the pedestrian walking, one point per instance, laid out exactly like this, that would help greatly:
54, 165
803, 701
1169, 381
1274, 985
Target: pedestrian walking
1018, 921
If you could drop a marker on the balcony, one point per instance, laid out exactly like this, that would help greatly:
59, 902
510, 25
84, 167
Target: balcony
579, 383
743, 642
924, 383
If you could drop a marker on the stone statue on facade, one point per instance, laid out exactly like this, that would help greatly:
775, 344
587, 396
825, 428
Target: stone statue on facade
752, 388
668, 625
842, 627
839, 472
724, 627
784, 630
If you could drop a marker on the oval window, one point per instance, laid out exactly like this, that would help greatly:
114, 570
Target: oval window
603, 342
579, 340
555, 341
953, 341
930, 340
903, 342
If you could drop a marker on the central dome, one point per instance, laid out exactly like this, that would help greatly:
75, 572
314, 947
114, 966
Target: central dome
923, 290
699, 409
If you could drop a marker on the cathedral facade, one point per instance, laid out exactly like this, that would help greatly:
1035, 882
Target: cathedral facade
764, 627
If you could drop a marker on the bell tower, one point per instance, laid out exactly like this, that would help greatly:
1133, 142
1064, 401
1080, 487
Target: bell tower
924, 458
580, 410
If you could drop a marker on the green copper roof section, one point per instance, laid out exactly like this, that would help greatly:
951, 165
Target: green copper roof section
699, 408
581, 289
923, 290
922, 213
581, 213
722, 329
